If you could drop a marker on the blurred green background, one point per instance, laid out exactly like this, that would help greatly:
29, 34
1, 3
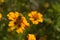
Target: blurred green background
50, 27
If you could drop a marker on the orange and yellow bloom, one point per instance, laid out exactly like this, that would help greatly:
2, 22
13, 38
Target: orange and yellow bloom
13, 15
23, 24
31, 37
17, 23
0, 16
35, 17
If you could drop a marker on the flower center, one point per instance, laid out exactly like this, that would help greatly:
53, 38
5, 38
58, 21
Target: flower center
18, 21
35, 17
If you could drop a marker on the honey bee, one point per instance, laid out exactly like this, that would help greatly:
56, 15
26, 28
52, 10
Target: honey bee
18, 21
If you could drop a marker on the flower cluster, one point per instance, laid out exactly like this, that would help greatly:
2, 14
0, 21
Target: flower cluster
18, 22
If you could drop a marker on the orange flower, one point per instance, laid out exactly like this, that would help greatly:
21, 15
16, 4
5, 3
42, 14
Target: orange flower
18, 22
23, 24
0, 16
35, 17
13, 15
31, 37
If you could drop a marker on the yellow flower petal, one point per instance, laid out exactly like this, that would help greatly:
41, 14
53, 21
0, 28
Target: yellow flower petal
22, 28
11, 29
17, 14
11, 24
0, 16
35, 22
41, 20
29, 15
33, 12
25, 22
31, 19
13, 15
40, 15
31, 37
19, 30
